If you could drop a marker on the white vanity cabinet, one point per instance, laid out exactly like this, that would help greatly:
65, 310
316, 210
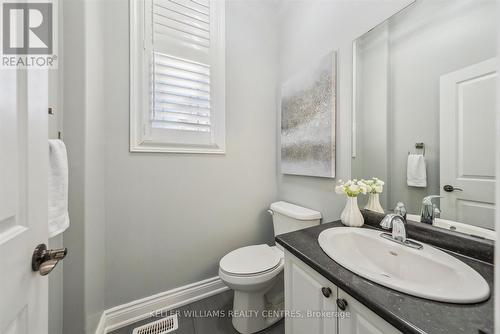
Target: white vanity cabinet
307, 291
311, 305
361, 320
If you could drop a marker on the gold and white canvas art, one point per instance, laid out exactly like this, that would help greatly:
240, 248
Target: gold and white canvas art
308, 110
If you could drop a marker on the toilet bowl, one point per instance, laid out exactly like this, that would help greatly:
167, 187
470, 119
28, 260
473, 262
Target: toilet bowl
255, 273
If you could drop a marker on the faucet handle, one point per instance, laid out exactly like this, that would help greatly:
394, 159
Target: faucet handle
400, 210
436, 210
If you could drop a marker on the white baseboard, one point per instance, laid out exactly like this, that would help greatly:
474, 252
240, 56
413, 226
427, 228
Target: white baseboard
126, 314
101, 329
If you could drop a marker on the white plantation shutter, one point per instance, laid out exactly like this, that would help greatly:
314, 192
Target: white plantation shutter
183, 21
181, 94
184, 54
181, 43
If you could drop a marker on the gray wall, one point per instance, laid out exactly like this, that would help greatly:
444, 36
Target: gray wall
372, 52
431, 39
74, 134
308, 30
95, 180
171, 217
84, 135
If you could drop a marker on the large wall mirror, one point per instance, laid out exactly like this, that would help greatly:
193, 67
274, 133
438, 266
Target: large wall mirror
424, 111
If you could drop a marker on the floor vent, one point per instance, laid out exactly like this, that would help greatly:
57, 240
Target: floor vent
162, 326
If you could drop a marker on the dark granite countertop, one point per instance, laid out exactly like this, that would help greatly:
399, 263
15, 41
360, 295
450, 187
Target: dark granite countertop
407, 313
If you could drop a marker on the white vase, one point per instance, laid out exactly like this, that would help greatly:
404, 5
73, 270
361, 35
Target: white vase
374, 203
351, 216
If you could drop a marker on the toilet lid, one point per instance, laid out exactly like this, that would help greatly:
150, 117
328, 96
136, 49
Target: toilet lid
250, 260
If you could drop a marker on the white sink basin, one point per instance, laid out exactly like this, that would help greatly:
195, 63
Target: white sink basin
427, 273
459, 227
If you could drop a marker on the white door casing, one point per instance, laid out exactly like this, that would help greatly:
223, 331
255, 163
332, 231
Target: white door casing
467, 143
23, 199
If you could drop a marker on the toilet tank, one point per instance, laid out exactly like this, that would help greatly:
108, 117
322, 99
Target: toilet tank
289, 217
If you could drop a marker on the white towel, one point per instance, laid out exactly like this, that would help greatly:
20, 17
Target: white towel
416, 173
58, 188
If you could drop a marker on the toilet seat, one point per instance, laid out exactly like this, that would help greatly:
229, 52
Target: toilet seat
251, 261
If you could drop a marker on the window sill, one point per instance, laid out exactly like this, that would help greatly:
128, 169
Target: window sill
145, 148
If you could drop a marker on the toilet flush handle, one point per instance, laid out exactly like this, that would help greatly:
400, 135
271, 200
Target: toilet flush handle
271, 212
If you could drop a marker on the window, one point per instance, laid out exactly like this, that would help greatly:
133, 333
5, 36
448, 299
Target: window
177, 76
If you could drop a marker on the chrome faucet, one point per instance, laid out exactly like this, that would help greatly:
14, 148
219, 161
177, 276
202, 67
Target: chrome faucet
429, 210
398, 225
399, 234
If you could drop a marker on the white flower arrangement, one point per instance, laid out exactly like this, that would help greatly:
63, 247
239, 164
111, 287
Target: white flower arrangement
352, 188
375, 185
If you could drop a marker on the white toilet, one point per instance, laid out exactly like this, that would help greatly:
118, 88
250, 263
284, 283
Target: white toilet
255, 273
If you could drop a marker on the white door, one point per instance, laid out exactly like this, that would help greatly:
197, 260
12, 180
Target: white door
23, 199
361, 320
467, 144
310, 298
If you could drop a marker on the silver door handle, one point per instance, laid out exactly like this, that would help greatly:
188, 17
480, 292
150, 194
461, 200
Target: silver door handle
45, 260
